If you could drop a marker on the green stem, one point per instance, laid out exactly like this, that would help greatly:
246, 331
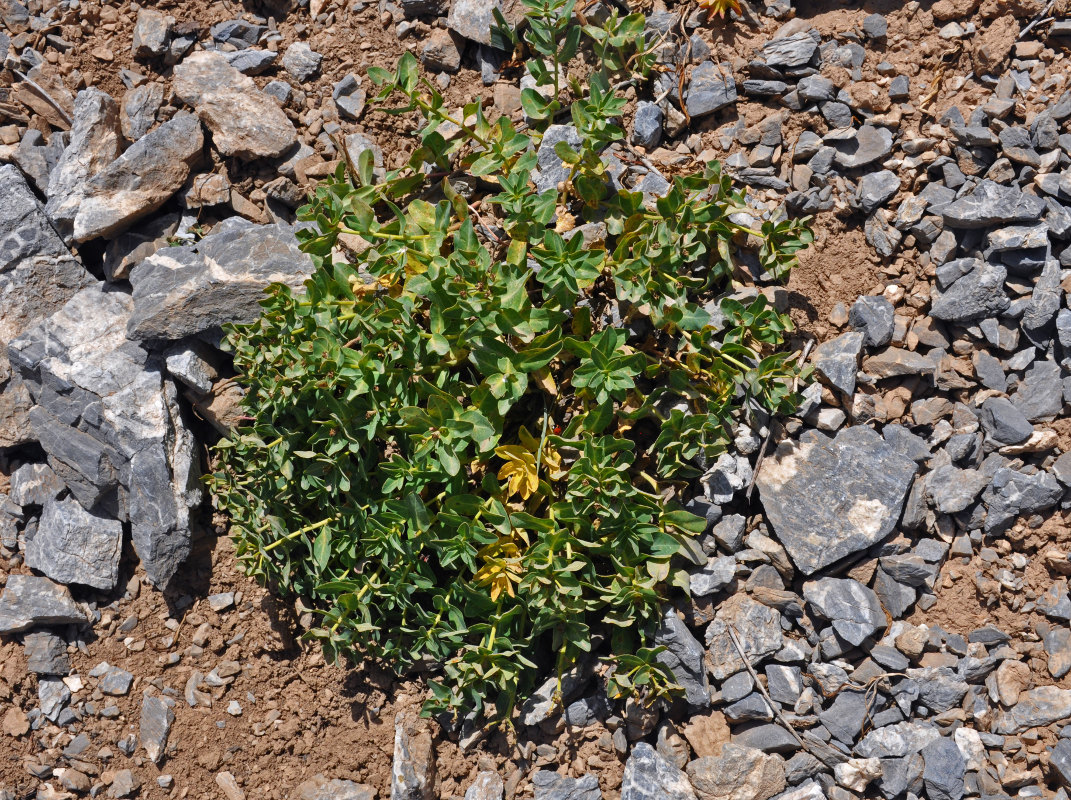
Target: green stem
307, 529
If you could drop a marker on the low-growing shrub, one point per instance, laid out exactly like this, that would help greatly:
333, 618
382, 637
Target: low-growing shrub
471, 438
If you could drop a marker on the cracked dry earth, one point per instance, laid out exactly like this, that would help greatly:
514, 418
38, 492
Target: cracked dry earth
884, 611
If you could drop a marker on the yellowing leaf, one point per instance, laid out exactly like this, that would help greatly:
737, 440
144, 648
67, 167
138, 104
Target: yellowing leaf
519, 470
501, 569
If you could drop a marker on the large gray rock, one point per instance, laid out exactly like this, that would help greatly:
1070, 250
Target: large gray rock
141, 180
73, 546
473, 19
829, 498
979, 294
244, 121
1003, 422
46, 653
790, 52
1013, 494
96, 141
684, 657
28, 601
181, 291
320, 788
944, 770
711, 87
859, 147
852, 609
992, 204
37, 276
1043, 705
110, 424
648, 776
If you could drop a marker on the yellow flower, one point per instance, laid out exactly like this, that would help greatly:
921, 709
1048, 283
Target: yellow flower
519, 470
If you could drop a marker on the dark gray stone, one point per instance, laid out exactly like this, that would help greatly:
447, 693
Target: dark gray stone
872, 315
939, 687
992, 204
944, 770
784, 683
978, 294
183, 291
1003, 423
46, 654
1044, 304
1060, 761
896, 598
647, 125
769, 737
238, 32
1039, 395
950, 489
34, 485
901, 775
875, 26
113, 680
74, 546
852, 608
876, 189
28, 601
1013, 494
711, 87
550, 169
847, 715
837, 360
111, 425
549, 785
253, 61
748, 709
828, 498
137, 114
648, 776
52, 696
860, 147
684, 657
155, 725
790, 52
816, 89
715, 576
320, 788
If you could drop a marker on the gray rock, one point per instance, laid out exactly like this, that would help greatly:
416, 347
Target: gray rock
137, 114
749, 708
238, 32
141, 180
190, 364
1036, 707
684, 658
320, 788
96, 141
648, 776
757, 627
647, 125
349, 97
848, 714
789, 52
113, 680
1060, 761
711, 87
939, 687
74, 546
253, 61
114, 433
46, 654
550, 169
28, 601
413, 769
901, 775
182, 291
1003, 423
742, 773
1018, 237
1039, 395
473, 19
875, 26
978, 294
881, 234
992, 204
37, 157
950, 489
784, 683
872, 315
1013, 494
898, 740
852, 608
837, 360
152, 34
1044, 303
861, 147
816, 89
302, 62
442, 51
1058, 645
829, 498
155, 726
895, 597
52, 696
769, 737
244, 121
944, 770
715, 576
876, 189
34, 485
549, 785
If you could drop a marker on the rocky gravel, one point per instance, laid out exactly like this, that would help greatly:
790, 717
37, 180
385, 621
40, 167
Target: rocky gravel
883, 609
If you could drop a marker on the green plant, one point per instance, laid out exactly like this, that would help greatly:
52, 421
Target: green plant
461, 449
